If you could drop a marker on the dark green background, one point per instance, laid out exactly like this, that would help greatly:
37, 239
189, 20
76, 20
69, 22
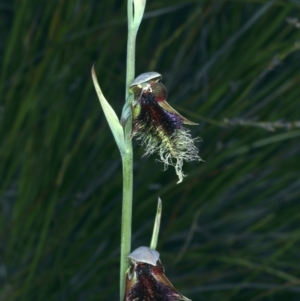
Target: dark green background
231, 230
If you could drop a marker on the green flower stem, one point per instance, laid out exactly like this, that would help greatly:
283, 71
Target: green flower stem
127, 162
131, 40
134, 21
126, 214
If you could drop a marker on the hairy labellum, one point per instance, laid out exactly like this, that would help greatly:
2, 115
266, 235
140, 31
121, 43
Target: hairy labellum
147, 282
152, 116
159, 126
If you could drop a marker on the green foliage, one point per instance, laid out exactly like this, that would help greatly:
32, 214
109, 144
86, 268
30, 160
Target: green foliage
230, 230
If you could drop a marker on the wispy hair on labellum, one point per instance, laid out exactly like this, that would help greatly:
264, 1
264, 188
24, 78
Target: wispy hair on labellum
159, 126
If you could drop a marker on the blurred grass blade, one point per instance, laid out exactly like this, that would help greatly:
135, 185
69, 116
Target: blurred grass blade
61, 184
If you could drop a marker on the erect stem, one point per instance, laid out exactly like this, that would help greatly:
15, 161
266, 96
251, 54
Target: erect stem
133, 25
127, 161
131, 40
126, 214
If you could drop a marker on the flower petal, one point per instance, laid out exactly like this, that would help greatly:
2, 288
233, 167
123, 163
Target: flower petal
168, 108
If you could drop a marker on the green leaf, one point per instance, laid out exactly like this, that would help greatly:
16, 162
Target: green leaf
156, 227
139, 7
110, 115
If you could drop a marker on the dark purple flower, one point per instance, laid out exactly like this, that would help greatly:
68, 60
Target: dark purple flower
158, 125
145, 279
